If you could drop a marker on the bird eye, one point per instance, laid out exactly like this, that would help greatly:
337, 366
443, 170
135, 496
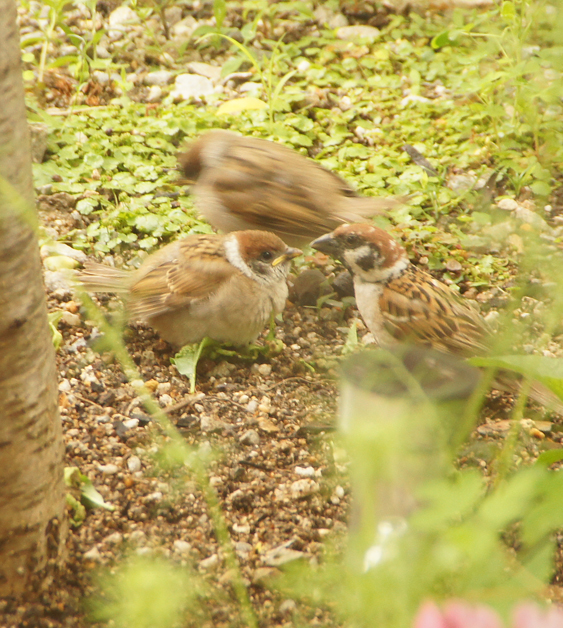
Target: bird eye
266, 256
352, 239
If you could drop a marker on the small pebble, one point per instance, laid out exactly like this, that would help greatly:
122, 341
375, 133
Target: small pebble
165, 400
134, 464
182, 547
108, 469
303, 488
508, 204
137, 536
250, 437
93, 554
209, 563
453, 265
114, 539
305, 472
243, 549
265, 370
288, 607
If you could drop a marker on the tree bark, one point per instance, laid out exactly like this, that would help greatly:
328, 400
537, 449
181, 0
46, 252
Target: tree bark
32, 494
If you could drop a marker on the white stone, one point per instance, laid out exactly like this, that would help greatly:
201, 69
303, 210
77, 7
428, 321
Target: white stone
72, 320
137, 536
281, 555
102, 52
160, 77
249, 87
165, 400
88, 376
57, 281
184, 28
114, 539
172, 15
155, 94
154, 497
303, 488
358, 31
122, 16
189, 86
212, 72
59, 248
108, 469
182, 547
250, 437
305, 472
131, 423
303, 66
265, 369
93, 554
287, 607
209, 563
64, 385
134, 464
508, 204
101, 77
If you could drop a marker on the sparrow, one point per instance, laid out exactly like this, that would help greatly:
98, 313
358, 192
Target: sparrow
251, 183
225, 287
399, 302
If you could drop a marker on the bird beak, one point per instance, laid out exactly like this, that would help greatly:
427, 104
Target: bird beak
289, 254
326, 244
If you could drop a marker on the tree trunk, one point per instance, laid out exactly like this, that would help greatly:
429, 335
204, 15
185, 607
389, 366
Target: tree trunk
32, 496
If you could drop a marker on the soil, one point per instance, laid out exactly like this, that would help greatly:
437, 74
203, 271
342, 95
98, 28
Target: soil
269, 424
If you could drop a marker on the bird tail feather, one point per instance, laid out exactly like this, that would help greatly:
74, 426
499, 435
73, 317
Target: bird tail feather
100, 278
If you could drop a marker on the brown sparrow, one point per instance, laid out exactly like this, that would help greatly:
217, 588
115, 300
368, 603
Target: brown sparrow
223, 287
400, 302
397, 300
251, 183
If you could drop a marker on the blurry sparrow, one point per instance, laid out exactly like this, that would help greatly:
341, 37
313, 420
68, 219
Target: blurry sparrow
223, 287
250, 183
400, 302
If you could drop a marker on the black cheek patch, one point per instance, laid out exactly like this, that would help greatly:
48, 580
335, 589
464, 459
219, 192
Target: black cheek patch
366, 262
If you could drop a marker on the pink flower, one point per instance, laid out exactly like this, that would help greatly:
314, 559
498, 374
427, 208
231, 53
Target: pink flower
456, 615
459, 614
530, 615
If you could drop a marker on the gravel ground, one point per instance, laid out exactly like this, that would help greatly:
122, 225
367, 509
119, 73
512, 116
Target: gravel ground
270, 423
280, 490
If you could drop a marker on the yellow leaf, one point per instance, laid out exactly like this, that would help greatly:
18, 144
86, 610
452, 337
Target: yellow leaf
241, 104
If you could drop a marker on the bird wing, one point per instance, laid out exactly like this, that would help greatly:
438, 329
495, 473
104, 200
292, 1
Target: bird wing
196, 272
416, 307
273, 187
